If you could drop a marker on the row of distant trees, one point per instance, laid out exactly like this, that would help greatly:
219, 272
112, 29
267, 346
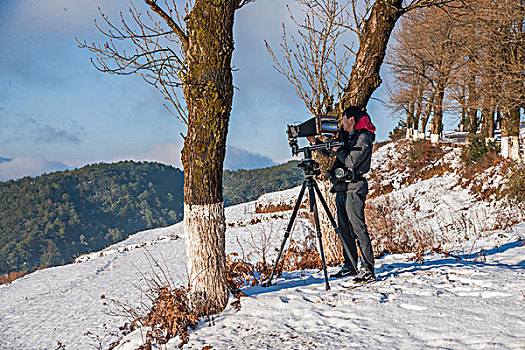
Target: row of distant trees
468, 59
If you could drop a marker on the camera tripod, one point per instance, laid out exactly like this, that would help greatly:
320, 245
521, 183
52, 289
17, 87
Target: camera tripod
311, 168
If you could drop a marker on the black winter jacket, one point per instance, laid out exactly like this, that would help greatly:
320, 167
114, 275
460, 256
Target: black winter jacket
354, 157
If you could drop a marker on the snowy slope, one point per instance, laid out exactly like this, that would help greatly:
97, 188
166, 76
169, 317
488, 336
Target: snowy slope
472, 300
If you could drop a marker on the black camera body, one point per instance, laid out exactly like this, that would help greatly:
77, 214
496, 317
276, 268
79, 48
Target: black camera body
327, 125
318, 125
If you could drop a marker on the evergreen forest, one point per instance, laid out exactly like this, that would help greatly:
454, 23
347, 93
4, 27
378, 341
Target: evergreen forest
51, 219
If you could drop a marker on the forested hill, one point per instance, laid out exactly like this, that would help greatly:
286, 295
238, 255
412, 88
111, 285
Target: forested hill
51, 219
247, 185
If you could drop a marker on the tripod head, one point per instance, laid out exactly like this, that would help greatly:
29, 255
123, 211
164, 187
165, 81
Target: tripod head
310, 166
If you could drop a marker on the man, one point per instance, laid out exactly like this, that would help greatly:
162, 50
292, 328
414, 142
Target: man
352, 162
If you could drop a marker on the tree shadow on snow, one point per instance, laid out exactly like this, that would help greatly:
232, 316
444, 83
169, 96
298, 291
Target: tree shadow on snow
289, 280
455, 260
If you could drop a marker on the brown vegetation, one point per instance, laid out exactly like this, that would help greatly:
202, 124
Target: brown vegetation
514, 189
391, 236
274, 208
11, 276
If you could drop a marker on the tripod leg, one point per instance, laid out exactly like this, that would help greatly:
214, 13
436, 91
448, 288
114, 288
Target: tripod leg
313, 209
268, 282
327, 210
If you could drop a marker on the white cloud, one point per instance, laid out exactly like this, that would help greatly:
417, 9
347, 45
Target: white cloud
28, 166
238, 158
166, 152
170, 153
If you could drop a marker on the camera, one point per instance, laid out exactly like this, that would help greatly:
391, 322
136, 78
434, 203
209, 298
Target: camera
326, 125
341, 173
318, 125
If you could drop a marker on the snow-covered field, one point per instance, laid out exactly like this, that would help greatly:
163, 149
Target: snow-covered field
474, 298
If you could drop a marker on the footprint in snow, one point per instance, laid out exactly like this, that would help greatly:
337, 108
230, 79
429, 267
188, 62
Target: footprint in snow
287, 298
490, 294
413, 307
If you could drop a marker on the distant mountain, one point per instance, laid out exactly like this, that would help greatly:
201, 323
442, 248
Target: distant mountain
2, 160
51, 219
247, 185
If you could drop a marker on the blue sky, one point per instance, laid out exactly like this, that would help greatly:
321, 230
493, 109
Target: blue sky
57, 111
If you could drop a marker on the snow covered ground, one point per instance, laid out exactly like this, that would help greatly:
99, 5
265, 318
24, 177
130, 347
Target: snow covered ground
473, 298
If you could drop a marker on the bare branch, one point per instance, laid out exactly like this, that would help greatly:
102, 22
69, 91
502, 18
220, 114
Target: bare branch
171, 23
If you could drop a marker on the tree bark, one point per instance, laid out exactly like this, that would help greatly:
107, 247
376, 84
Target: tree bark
426, 117
364, 80
437, 121
417, 114
510, 131
373, 41
472, 118
208, 91
410, 121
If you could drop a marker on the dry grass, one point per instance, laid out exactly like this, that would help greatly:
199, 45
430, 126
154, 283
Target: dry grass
164, 312
11, 276
392, 235
300, 255
272, 208
514, 189
424, 160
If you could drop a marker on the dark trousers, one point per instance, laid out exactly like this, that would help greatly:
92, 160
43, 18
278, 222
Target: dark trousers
351, 222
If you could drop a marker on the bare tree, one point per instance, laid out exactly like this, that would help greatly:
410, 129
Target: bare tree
504, 65
315, 63
311, 59
411, 84
321, 80
186, 54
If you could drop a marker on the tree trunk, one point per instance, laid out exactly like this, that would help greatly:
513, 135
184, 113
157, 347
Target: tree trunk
364, 80
410, 121
463, 121
417, 115
437, 121
488, 124
426, 117
510, 131
373, 41
472, 118
208, 91
332, 246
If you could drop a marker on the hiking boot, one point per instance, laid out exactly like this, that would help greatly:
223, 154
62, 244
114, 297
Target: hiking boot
345, 271
365, 276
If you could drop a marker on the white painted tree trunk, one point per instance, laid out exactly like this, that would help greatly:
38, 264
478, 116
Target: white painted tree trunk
409, 133
206, 223
415, 136
434, 139
510, 148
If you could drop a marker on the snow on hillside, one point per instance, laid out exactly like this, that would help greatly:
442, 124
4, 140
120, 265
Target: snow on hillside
472, 298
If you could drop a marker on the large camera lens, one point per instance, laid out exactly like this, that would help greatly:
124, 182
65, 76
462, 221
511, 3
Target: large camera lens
340, 173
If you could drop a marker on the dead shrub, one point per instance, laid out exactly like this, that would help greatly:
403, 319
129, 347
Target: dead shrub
391, 234
240, 273
422, 157
514, 189
170, 315
301, 255
165, 312
274, 208
11, 276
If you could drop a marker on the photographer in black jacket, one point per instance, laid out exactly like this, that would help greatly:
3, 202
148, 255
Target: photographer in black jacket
351, 188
